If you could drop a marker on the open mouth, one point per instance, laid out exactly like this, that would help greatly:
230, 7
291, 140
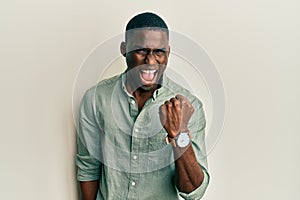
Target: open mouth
148, 75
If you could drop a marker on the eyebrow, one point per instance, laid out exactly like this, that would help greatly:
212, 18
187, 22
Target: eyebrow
141, 47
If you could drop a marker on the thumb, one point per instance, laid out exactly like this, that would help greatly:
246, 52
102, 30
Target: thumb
163, 114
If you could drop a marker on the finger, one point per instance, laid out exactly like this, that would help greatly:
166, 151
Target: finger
175, 110
166, 108
180, 98
176, 102
168, 104
173, 99
162, 109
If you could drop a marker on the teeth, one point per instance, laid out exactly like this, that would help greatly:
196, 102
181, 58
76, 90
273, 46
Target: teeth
148, 71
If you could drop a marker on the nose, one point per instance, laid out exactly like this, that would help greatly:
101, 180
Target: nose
150, 59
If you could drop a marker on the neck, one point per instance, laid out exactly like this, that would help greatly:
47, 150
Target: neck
141, 95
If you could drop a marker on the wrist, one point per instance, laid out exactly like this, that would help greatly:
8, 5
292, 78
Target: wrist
173, 134
182, 139
183, 129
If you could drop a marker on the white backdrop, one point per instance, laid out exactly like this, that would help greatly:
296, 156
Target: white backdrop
254, 44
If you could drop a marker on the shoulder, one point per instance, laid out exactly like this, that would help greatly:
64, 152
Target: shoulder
109, 81
103, 87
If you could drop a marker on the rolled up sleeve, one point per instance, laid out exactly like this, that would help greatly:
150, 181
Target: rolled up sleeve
88, 149
198, 192
88, 167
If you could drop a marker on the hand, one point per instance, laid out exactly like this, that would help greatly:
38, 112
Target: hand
175, 115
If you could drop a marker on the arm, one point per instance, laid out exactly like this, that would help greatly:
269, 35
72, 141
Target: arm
175, 115
88, 149
89, 189
189, 174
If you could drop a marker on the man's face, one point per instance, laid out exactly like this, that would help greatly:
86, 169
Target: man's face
147, 53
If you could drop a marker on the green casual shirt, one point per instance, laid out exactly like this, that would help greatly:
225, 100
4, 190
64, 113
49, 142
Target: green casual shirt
125, 149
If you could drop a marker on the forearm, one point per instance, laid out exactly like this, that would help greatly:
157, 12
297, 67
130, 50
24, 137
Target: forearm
189, 174
89, 189
174, 116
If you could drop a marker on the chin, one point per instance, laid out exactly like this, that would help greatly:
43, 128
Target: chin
147, 87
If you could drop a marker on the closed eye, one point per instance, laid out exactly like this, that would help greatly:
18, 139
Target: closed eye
142, 51
145, 51
159, 52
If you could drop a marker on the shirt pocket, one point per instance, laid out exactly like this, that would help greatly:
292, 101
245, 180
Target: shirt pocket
157, 141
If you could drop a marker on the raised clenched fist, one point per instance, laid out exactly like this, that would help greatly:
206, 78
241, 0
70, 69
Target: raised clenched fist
175, 115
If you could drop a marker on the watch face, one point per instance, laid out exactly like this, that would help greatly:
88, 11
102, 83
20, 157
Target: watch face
183, 139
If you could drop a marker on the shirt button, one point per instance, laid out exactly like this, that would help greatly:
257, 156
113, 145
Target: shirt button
134, 157
132, 102
136, 130
133, 183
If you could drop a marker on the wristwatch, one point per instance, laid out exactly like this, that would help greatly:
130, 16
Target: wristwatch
182, 140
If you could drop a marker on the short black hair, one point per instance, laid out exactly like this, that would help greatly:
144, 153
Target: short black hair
147, 20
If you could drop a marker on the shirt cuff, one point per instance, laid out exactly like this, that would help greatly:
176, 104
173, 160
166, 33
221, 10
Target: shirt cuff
198, 192
87, 171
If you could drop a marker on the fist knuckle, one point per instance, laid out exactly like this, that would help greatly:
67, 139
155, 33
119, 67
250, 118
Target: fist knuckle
176, 103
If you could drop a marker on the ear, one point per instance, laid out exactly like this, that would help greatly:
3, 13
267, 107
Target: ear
123, 48
168, 50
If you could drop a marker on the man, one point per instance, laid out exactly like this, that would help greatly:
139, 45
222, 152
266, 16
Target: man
140, 134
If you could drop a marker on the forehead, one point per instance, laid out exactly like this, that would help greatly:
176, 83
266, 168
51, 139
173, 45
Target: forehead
147, 38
